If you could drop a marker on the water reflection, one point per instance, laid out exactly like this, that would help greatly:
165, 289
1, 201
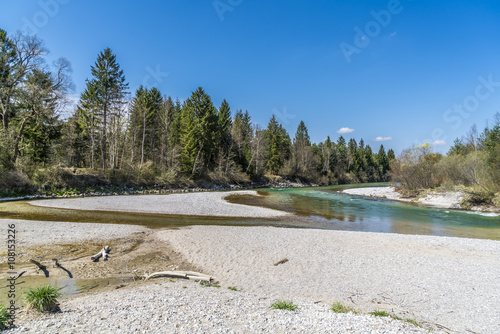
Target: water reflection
328, 208
67, 286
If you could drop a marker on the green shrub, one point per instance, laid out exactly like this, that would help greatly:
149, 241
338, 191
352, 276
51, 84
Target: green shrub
13, 180
496, 200
284, 305
4, 316
479, 197
43, 298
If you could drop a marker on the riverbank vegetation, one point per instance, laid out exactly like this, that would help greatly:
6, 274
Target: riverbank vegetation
147, 139
472, 165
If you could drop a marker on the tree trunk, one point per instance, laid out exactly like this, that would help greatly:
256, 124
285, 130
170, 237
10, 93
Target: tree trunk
196, 160
143, 139
104, 138
5, 122
20, 136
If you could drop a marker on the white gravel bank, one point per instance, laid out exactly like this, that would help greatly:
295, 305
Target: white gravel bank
171, 308
453, 282
199, 204
449, 200
30, 233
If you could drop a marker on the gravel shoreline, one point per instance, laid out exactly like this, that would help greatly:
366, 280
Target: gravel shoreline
31, 233
198, 204
187, 307
447, 200
452, 282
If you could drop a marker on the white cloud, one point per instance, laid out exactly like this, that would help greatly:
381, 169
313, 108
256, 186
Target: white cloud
393, 34
345, 130
439, 142
382, 138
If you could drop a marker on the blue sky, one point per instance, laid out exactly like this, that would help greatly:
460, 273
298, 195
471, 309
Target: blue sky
400, 71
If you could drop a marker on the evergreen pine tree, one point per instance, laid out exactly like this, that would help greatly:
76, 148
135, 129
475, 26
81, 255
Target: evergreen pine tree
242, 137
198, 132
341, 158
224, 128
278, 146
104, 96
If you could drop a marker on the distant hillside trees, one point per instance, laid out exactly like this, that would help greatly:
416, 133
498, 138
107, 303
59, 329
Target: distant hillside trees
472, 165
147, 138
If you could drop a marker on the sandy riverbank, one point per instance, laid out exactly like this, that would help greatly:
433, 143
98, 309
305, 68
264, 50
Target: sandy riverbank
447, 200
163, 305
198, 204
31, 233
451, 282
442, 282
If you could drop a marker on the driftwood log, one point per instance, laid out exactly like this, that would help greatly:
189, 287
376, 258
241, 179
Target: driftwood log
104, 253
38, 264
40, 267
182, 274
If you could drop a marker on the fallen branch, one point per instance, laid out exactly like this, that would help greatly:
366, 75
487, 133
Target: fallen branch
104, 253
56, 263
40, 267
21, 274
284, 260
182, 274
38, 264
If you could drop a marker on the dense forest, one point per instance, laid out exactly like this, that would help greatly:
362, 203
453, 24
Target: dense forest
146, 138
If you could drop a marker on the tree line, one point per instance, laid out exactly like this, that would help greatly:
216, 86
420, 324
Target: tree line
149, 137
471, 165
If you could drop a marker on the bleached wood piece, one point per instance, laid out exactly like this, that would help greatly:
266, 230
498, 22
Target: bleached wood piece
104, 253
182, 274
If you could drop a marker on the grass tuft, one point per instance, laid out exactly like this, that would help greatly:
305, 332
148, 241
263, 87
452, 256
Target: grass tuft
4, 316
338, 307
43, 299
413, 322
284, 305
381, 314
232, 288
209, 285
385, 314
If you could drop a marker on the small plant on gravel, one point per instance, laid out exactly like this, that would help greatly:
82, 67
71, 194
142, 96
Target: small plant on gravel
382, 314
338, 307
43, 299
284, 305
385, 314
4, 316
232, 288
413, 322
